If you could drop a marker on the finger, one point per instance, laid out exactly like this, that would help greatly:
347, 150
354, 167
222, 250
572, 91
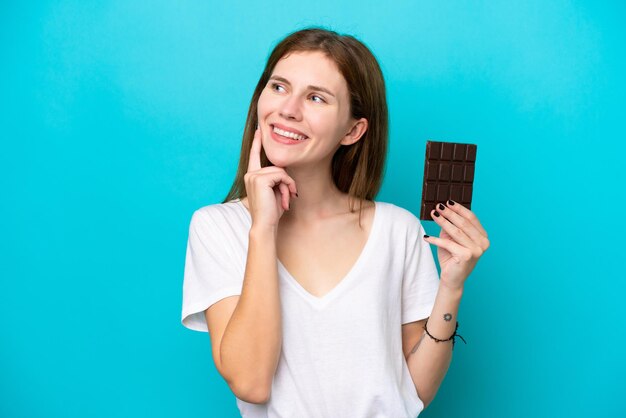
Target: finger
277, 176
254, 162
458, 252
467, 214
455, 232
284, 190
281, 176
463, 224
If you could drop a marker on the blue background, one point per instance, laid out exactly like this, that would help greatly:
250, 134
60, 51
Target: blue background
119, 119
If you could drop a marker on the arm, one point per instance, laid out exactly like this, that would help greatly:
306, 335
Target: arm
429, 360
461, 243
250, 348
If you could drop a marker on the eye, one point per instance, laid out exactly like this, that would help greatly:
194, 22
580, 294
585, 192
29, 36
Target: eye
274, 85
319, 97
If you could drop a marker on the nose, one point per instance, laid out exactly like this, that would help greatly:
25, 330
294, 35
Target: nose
291, 108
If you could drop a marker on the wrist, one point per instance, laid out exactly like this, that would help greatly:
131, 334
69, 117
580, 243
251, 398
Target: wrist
263, 232
455, 290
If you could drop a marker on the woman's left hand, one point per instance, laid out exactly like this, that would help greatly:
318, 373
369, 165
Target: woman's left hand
461, 243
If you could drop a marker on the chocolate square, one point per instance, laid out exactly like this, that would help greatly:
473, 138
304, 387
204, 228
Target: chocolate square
448, 174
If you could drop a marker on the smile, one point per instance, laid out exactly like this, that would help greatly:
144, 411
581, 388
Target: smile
288, 134
287, 138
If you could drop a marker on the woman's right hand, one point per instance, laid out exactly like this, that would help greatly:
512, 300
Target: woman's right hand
269, 189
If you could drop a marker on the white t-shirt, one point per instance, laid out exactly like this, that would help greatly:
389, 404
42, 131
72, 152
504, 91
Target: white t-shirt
342, 353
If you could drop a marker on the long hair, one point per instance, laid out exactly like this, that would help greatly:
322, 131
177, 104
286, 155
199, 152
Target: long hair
357, 169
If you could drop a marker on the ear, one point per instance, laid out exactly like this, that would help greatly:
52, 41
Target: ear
358, 129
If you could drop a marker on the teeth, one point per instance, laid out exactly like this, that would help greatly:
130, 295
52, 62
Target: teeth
289, 134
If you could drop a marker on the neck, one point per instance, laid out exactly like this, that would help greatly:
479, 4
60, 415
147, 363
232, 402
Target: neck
318, 197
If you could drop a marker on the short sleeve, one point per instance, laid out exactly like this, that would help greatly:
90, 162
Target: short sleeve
211, 269
421, 279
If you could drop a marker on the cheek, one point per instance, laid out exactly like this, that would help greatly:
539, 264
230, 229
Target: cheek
261, 105
266, 102
324, 123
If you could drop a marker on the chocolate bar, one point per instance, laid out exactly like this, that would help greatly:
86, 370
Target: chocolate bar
448, 174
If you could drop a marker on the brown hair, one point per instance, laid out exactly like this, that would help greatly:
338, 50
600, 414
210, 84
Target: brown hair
357, 169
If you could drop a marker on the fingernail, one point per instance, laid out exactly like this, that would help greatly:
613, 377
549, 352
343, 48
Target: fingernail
426, 236
451, 202
436, 213
442, 207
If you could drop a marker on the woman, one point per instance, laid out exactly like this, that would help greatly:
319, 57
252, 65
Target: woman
314, 309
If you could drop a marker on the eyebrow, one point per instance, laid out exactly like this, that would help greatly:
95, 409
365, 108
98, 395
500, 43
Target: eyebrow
284, 80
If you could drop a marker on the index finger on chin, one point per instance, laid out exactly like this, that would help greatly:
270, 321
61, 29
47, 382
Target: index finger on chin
254, 163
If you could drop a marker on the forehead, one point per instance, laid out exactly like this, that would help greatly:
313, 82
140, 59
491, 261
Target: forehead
311, 68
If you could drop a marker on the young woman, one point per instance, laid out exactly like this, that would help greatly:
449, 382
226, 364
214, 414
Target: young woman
314, 308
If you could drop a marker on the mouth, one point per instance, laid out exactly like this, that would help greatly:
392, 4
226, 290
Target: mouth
286, 137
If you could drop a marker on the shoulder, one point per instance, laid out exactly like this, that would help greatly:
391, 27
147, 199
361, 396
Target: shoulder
216, 216
398, 213
399, 217
218, 209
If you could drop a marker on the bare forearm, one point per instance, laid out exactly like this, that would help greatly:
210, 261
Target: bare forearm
429, 360
250, 348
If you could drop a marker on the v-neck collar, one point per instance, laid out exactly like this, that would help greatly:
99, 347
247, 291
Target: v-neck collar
322, 301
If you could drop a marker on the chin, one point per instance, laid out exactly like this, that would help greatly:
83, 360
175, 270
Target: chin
278, 157
278, 162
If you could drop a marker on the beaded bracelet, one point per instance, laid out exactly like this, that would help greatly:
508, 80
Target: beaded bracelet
447, 339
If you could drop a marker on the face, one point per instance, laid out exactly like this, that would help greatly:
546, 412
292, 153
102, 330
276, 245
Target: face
307, 95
